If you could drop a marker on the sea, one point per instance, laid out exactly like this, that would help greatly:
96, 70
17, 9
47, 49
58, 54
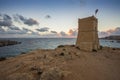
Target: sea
29, 44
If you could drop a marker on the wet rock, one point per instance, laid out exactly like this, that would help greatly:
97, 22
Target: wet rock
2, 58
113, 49
8, 43
60, 46
23, 52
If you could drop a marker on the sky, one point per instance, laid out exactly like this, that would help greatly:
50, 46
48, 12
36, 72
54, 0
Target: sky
56, 18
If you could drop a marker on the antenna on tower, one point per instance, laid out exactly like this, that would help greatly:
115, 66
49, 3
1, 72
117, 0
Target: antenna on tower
96, 11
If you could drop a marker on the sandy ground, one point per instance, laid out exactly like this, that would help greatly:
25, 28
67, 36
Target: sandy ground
63, 63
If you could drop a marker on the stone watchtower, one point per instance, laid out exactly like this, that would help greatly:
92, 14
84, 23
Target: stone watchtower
87, 38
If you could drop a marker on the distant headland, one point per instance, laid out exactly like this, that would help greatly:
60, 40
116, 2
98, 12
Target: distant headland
8, 43
112, 37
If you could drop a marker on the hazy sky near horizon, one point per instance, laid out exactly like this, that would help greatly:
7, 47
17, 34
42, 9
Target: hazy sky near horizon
56, 17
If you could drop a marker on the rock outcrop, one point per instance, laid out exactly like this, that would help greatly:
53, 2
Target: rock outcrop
8, 43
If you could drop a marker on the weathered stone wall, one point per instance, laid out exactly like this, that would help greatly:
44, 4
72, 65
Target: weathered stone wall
87, 34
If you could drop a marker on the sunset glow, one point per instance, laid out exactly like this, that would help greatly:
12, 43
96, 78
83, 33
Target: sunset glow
55, 18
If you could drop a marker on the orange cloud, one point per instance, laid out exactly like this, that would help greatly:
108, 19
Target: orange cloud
72, 32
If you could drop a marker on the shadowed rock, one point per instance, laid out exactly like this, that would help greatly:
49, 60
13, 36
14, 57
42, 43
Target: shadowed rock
8, 43
2, 58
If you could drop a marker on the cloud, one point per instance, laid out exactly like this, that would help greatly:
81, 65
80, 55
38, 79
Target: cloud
47, 16
14, 28
102, 34
116, 31
7, 17
72, 32
2, 30
28, 31
5, 20
109, 32
54, 32
45, 29
82, 2
62, 33
5, 23
17, 19
8, 26
27, 21
9, 31
21, 17
31, 22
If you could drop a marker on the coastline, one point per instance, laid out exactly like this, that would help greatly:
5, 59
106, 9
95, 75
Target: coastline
8, 43
63, 63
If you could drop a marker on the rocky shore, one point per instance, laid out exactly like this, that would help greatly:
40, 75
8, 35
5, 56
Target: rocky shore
8, 43
63, 63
